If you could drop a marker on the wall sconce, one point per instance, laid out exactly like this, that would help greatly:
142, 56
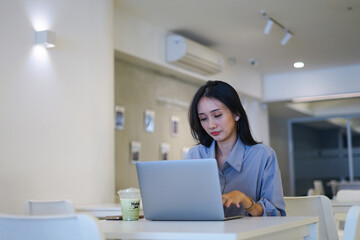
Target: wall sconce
46, 38
270, 22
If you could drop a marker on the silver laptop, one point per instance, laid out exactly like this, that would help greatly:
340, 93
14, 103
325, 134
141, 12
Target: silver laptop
181, 190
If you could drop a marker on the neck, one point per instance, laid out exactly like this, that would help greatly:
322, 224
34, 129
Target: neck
223, 150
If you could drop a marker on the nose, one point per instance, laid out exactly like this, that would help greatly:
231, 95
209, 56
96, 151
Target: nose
212, 123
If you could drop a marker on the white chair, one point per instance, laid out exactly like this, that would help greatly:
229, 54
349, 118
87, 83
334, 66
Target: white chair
348, 195
57, 207
352, 224
56, 227
318, 206
318, 186
313, 192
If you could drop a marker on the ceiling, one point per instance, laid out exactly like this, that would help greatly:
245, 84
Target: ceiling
326, 33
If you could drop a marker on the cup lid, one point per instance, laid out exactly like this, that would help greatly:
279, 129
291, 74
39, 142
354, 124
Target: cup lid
129, 190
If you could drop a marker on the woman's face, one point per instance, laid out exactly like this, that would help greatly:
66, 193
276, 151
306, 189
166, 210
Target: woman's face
217, 120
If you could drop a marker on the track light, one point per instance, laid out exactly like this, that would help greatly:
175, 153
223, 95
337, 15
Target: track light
270, 22
268, 26
286, 38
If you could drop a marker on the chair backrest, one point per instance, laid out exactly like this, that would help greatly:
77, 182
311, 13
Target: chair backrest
56, 227
348, 195
319, 206
318, 186
352, 224
57, 207
313, 192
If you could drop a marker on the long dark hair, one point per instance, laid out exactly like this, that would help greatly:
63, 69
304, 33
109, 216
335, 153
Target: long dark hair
228, 96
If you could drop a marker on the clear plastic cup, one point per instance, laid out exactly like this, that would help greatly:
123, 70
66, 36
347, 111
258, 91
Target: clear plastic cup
130, 203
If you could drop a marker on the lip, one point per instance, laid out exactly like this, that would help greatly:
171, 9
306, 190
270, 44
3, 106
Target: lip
215, 133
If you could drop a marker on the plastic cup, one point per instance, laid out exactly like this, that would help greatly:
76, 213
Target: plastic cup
130, 203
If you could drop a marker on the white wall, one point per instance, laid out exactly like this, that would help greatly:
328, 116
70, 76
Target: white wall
258, 118
337, 80
56, 105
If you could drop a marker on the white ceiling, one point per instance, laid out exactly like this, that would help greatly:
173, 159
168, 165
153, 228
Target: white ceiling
326, 32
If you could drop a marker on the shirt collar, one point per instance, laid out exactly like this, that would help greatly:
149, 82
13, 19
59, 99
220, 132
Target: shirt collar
236, 156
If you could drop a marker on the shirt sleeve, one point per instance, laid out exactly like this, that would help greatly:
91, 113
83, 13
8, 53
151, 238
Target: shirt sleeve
271, 196
196, 152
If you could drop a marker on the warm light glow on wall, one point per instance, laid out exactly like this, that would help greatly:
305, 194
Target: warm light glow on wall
40, 54
39, 64
40, 24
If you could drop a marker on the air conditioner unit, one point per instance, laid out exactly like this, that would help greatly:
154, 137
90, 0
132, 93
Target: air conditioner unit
191, 55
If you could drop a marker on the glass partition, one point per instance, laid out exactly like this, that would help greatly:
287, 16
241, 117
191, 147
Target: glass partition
326, 149
355, 140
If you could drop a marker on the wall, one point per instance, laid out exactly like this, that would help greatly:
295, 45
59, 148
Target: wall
56, 105
137, 89
337, 80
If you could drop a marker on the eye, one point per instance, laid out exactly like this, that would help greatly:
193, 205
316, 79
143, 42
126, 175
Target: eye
202, 119
218, 115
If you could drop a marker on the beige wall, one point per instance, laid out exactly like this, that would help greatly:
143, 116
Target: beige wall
56, 105
137, 89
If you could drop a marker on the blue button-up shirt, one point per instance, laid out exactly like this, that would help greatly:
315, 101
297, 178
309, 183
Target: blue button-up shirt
252, 170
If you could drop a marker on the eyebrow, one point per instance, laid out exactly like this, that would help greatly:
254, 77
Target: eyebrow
217, 109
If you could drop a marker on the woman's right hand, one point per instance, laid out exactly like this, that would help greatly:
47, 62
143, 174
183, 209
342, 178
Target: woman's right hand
233, 198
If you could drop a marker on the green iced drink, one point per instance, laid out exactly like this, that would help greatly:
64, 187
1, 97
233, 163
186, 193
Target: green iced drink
130, 209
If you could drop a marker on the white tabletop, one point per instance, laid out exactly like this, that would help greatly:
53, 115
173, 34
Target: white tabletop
244, 228
100, 210
343, 206
340, 209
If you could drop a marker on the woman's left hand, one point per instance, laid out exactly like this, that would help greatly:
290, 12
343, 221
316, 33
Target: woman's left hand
234, 197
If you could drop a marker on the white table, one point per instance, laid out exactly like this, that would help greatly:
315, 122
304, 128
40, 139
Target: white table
102, 210
340, 209
263, 228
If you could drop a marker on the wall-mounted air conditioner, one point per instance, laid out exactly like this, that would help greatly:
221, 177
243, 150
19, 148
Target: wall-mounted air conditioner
191, 55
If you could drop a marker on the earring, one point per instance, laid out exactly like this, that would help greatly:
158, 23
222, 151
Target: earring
237, 118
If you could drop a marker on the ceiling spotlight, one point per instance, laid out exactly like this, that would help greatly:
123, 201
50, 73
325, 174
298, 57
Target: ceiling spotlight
270, 22
286, 38
232, 60
299, 65
253, 62
268, 26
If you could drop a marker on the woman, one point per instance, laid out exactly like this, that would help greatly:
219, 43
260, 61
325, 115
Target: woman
248, 170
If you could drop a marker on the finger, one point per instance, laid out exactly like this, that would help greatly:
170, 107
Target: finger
228, 203
232, 202
224, 199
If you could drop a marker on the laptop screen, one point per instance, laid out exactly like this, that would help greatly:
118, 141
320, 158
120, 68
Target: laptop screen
180, 190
